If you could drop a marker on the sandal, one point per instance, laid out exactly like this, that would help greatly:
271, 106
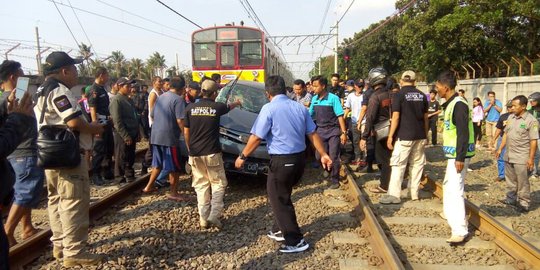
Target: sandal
377, 190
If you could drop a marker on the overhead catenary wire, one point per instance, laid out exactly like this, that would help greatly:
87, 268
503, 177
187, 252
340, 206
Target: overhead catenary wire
177, 13
65, 22
120, 21
394, 15
140, 17
347, 10
325, 14
84, 31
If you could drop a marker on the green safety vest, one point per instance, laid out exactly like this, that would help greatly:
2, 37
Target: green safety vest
450, 131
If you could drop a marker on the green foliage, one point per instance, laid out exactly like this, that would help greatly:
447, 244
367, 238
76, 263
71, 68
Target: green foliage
436, 35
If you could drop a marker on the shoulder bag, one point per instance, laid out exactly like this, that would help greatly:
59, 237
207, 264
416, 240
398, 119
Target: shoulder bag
58, 146
382, 129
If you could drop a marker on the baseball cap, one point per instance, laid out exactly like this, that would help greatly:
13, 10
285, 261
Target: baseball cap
58, 59
124, 80
209, 86
195, 85
349, 83
408, 75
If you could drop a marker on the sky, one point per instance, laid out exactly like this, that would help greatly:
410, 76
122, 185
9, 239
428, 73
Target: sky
140, 27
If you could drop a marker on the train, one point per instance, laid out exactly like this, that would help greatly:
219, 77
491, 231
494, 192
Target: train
236, 51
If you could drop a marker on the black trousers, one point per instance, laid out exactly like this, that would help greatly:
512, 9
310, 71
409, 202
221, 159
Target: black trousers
285, 172
124, 157
383, 154
370, 149
477, 131
4, 249
433, 128
103, 152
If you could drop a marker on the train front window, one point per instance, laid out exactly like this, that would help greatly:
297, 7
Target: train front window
204, 55
250, 54
227, 55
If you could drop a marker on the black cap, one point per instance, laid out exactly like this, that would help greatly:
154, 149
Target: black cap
167, 80
124, 80
194, 85
57, 60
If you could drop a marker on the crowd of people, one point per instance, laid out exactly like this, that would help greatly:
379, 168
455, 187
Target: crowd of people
388, 123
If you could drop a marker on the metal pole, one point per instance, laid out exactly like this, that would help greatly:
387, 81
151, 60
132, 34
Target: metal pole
12, 48
38, 55
336, 49
177, 65
320, 59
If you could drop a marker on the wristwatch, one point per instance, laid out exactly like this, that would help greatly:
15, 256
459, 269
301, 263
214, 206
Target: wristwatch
242, 156
344, 132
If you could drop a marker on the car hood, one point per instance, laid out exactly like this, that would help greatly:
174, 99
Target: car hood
238, 120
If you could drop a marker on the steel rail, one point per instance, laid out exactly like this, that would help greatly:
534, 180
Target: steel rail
385, 255
525, 254
27, 251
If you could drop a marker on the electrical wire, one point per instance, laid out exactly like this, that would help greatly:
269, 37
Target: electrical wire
122, 22
140, 17
394, 15
65, 22
84, 31
177, 13
344, 13
325, 15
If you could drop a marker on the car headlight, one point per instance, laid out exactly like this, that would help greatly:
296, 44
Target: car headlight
243, 138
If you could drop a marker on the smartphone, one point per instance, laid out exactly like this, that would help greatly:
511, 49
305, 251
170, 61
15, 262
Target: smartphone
22, 87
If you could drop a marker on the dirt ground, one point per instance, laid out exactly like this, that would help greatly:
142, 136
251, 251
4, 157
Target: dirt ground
482, 188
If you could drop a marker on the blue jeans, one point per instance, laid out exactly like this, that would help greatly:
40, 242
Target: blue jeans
29, 181
500, 161
162, 178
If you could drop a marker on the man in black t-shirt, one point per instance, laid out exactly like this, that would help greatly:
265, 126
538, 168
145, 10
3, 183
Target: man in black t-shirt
409, 125
103, 150
434, 108
336, 89
201, 132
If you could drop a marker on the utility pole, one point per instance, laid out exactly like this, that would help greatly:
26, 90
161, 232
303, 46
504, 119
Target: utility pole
336, 48
320, 60
177, 65
38, 55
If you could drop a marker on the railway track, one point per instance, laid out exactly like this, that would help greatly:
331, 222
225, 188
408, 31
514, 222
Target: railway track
382, 226
27, 251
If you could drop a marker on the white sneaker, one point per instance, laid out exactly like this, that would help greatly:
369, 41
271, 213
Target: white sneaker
301, 246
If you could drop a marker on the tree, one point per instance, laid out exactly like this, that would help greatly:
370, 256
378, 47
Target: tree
435, 35
156, 62
85, 52
118, 62
136, 66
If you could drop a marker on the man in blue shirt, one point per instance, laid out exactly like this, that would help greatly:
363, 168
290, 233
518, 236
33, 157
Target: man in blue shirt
327, 112
493, 108
284, 124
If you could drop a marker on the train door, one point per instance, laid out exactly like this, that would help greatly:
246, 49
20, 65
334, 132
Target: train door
227, 55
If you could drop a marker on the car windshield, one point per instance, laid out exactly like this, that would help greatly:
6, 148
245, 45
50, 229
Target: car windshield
252, 98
